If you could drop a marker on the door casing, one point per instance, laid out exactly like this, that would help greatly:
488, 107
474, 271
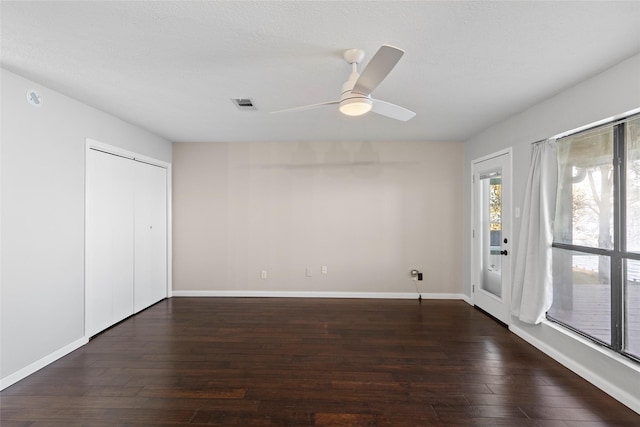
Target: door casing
91, 144
500, 308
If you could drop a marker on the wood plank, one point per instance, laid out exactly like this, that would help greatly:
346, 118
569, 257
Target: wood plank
308, 362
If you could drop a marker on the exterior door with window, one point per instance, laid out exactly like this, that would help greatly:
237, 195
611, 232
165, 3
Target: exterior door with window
491, 267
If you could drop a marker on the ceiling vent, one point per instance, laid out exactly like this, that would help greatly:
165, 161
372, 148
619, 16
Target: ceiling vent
244, 103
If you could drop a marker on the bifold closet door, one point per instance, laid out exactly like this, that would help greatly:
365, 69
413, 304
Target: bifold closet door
109, 248
150, 279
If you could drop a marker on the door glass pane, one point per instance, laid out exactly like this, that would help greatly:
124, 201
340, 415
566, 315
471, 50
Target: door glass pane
633, 185
491, 184
584, 208
632, 309
582, 292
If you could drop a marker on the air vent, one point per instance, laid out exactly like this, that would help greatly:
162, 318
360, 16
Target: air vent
244, 103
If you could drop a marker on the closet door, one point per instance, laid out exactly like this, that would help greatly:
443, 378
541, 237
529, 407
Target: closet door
109, 270
150, 283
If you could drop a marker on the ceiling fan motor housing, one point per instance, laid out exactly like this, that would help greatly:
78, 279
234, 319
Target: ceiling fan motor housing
351, 103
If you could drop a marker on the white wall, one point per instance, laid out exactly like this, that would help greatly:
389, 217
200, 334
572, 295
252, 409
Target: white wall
611, 93
370, 212
42, 223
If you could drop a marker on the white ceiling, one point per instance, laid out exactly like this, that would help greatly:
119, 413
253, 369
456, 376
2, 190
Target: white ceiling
173, 66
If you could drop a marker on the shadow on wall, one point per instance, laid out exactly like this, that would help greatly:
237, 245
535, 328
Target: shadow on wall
364, 161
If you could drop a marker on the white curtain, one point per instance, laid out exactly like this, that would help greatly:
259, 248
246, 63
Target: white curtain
532, 281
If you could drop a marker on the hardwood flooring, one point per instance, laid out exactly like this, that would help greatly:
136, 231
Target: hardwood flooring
308, 362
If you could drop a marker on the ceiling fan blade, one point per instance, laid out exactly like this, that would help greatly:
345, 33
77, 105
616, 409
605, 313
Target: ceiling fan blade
392, 110
306, 107
377, 69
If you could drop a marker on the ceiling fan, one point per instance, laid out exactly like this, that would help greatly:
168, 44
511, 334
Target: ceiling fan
355, 99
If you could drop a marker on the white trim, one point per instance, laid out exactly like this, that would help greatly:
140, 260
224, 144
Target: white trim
169, 231
624, 397
39, 364
91, 143
593, 346
597, 123
509, 229
507, 150
314, 294
467, 299
112, 149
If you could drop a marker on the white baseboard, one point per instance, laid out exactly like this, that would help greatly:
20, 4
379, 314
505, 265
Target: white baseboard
39, 364
467, 299
624, 397
314, 294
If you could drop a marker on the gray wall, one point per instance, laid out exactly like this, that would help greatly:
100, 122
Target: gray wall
370, 212
42, 223
611, 93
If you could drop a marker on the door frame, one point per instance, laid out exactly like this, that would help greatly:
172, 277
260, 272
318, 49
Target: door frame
92, 144
507, 213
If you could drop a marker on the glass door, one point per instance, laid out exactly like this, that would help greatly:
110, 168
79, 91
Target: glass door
491, 228
491, 232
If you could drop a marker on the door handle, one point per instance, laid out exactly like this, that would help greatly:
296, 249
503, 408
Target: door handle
505, 253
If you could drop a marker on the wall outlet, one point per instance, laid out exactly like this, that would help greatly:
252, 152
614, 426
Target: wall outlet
263, 274
309, 272
323, 269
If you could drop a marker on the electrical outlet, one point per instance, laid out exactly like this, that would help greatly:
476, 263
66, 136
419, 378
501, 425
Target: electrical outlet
323, 269
309, 272
263, 274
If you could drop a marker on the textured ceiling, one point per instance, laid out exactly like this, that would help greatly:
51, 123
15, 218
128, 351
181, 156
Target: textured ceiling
173, 66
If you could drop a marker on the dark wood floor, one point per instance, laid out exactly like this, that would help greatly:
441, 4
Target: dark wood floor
308, 362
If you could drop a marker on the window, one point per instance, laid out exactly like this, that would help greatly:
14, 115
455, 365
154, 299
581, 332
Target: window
596, 248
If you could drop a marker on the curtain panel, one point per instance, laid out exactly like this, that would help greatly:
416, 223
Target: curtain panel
533, 277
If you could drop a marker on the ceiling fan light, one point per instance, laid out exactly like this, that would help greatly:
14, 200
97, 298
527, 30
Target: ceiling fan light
356, 106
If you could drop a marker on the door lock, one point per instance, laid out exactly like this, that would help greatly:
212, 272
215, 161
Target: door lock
505, 253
